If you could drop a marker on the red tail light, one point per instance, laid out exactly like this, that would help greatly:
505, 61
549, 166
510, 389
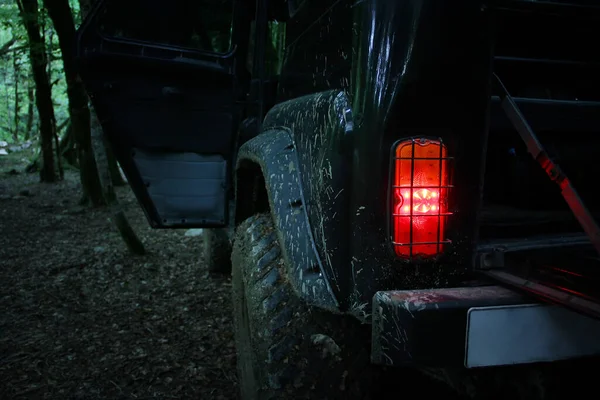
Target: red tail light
421, 184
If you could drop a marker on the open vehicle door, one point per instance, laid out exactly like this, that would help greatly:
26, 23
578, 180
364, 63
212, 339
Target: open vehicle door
163, 78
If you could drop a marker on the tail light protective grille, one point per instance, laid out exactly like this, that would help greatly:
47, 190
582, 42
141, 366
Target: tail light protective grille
420, 186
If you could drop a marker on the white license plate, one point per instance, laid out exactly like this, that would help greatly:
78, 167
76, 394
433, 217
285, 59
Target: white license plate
529, 333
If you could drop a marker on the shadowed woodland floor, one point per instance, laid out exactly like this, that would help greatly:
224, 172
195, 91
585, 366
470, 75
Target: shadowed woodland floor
81, 318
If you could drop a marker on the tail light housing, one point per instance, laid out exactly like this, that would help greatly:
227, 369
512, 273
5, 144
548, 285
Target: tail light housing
421, 184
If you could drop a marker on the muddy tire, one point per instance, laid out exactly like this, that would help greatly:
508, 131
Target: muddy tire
217, 251
285, 348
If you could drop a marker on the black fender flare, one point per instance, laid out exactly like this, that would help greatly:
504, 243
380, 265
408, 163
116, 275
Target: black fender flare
272, 156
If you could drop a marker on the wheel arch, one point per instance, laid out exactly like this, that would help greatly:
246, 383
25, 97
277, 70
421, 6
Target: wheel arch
267, 180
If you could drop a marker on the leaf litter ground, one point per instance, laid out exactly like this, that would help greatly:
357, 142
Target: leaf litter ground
81, 318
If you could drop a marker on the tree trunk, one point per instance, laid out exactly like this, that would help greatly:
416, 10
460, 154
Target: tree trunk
67, 146
5, 48
61, 172
134, 244
113, 166
102, 159
30, 112
129, 236
43, 97
50, 42
17, 98
62, 17
65, 149
132, 241
6, 86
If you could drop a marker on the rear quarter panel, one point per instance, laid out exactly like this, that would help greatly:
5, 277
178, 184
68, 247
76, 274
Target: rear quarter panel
411, 67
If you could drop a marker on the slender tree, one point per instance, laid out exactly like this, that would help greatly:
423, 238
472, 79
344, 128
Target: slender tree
17, 75
113, 167
6, 47
30, 109
111, 175
62, 18
43, 92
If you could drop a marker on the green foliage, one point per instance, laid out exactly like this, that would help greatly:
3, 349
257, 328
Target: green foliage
15, 72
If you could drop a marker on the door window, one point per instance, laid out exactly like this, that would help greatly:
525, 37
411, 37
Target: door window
204, 25
274, 49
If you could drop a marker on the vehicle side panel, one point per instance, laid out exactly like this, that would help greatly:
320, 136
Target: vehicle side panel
423, 67
318, 55
415, 71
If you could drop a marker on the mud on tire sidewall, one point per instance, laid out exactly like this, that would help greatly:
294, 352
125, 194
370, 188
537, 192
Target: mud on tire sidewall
285, 348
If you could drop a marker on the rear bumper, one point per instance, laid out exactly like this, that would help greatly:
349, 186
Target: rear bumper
475, 327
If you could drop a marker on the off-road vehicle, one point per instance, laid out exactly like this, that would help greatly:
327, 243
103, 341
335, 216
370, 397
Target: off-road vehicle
390, 170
